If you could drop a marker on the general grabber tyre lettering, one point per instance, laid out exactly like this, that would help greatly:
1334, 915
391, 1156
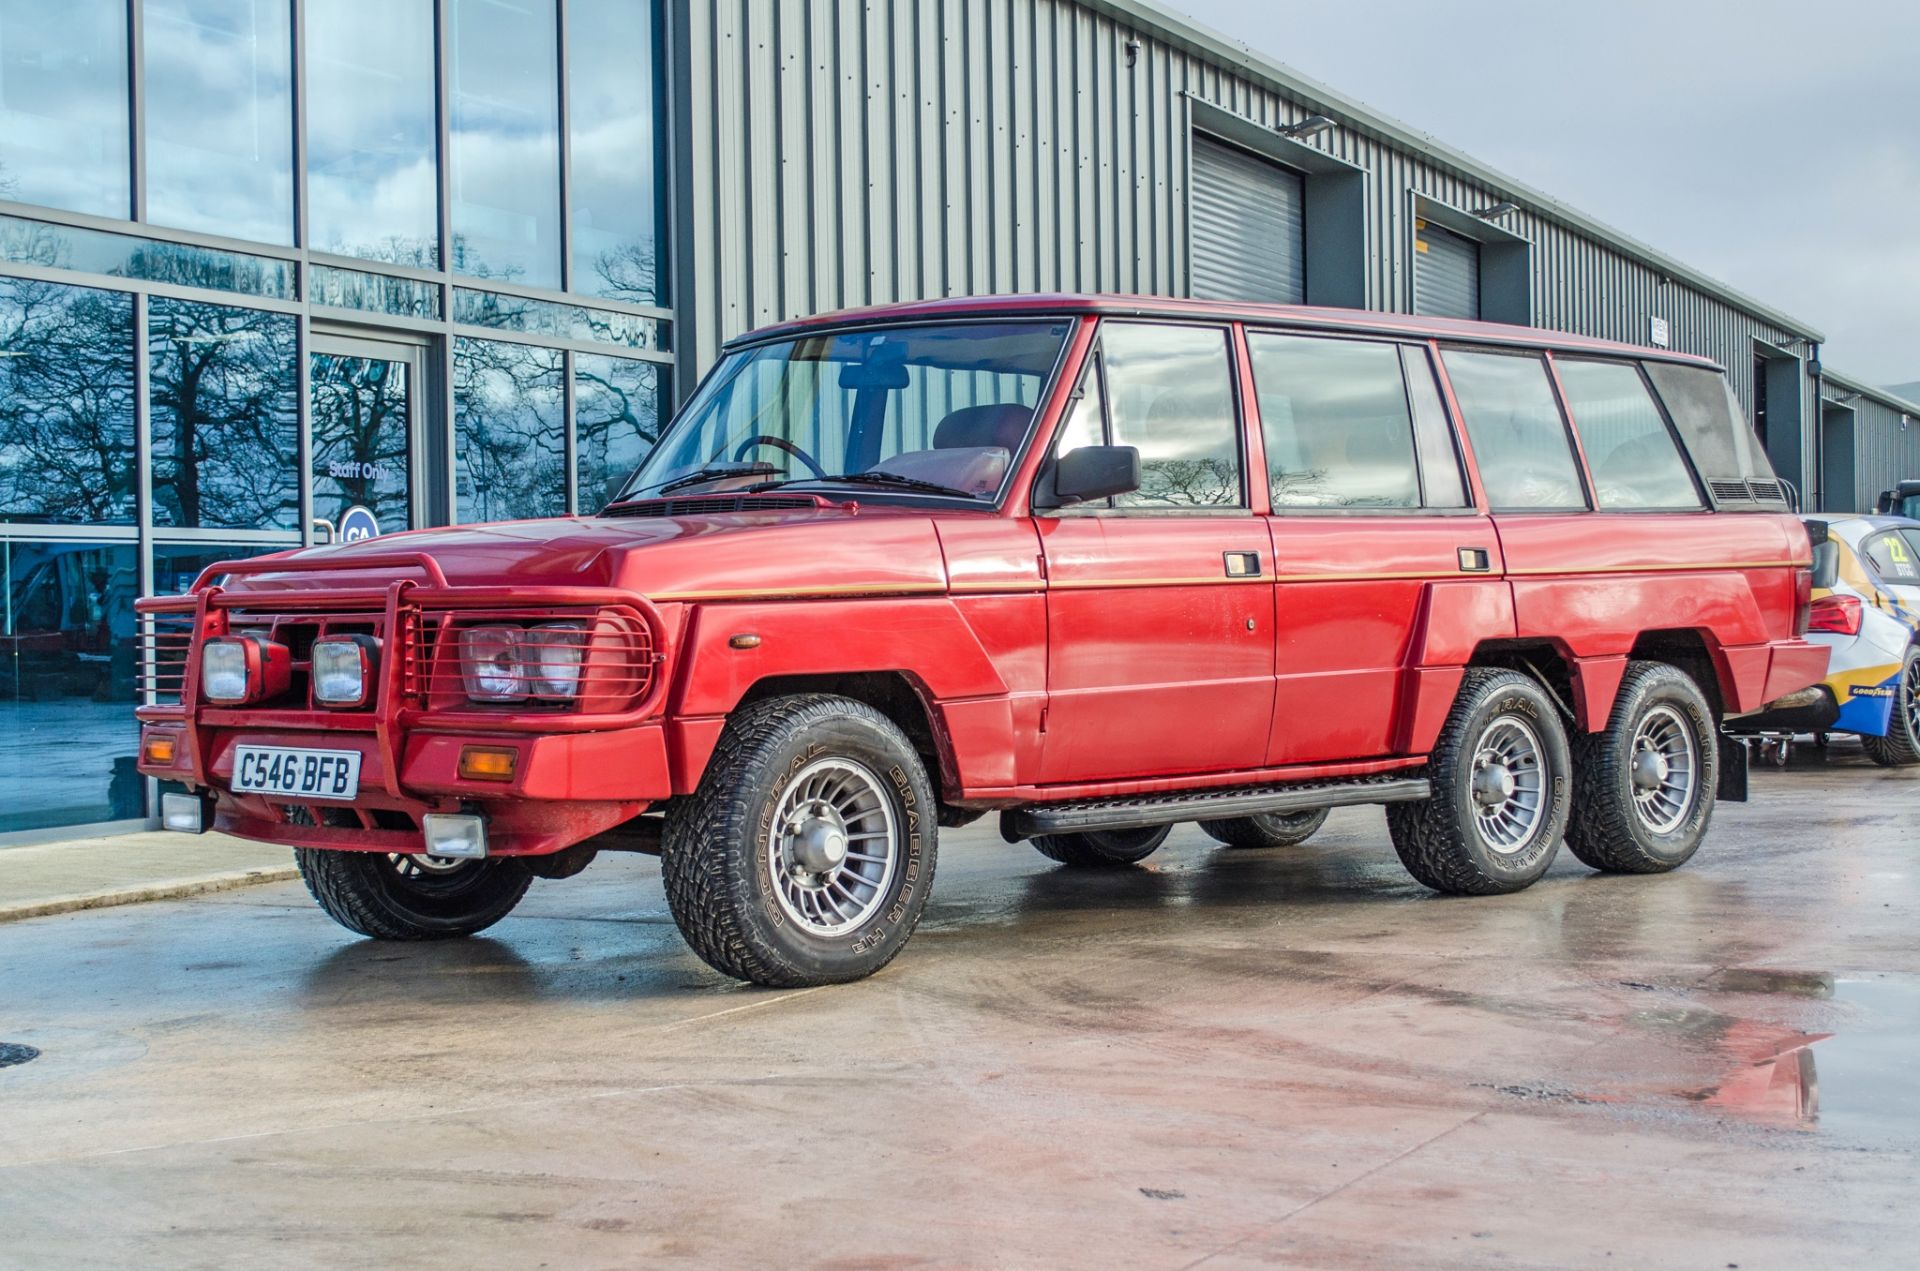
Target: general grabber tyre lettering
806, 853
1644, 788
1900, 748
398, 897
1270, 829
1103, 849
1500, 791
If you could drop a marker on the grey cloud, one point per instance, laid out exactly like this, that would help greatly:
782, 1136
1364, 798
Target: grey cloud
1774, 146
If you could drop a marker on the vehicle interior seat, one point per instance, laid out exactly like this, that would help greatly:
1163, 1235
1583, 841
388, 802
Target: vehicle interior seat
972, 448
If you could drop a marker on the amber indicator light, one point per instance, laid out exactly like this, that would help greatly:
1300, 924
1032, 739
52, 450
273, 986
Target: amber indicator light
159, 750
745, 640
488, 763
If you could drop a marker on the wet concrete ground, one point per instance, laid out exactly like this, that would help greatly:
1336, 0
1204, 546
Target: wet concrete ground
1224, 1058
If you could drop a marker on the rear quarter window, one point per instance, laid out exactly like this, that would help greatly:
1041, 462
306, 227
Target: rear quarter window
1520, 442
1635, 461
1709, 421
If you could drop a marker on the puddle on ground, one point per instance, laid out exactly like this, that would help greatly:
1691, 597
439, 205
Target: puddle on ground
1859, 1081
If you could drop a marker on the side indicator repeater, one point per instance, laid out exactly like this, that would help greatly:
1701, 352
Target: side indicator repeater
745, 640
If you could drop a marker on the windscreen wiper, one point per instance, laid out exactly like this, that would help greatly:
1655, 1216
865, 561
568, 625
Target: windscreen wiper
717, 472
899, 481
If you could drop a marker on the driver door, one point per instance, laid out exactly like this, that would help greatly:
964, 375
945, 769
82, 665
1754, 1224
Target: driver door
1160, 640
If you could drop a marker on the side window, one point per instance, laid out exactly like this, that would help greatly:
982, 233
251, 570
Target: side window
1636, 463
1170, 392
1893, 558
1338, 430
1440, 472
1519, 440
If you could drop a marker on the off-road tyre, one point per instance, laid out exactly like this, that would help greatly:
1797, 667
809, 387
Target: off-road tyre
714, 857
397, 898
1103, 849
1610, 828
1269, 829
1440, 839
1900, 748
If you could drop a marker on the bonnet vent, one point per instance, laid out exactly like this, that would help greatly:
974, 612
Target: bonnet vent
706, 505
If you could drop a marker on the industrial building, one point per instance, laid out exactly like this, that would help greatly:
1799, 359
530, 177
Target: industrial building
266, 263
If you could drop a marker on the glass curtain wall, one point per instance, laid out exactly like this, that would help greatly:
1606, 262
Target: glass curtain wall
191, 224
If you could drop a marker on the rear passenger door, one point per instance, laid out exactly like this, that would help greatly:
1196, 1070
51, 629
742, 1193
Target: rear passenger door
1370, 512
1159, 602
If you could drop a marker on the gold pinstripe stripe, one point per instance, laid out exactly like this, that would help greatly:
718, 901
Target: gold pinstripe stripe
1093, 584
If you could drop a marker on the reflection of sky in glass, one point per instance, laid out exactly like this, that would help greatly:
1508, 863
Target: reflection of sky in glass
505, 140
220, 117
610, 92
509, 432
63, 104
370, 130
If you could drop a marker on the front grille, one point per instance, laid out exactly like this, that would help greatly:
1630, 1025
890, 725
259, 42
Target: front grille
166, 640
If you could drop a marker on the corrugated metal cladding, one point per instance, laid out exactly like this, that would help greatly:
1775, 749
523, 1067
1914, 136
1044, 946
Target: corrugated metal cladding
1446, 273
1249, 227
832, 153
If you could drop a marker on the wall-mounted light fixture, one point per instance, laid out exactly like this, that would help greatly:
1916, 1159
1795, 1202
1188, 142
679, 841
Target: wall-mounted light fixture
1311, 126
1495, 211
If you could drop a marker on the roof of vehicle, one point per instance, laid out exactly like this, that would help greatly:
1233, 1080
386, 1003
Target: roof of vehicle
1355, 320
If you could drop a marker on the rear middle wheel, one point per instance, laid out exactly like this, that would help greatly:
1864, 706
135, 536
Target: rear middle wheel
1103, 849
1500, 791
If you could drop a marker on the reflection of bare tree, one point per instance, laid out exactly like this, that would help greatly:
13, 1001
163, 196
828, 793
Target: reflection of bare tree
629, 272
508, 406
1188, 483
120, 256
66, 403
616, 414
224, 417
360, 437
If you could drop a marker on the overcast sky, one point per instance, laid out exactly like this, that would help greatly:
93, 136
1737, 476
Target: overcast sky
1773, 146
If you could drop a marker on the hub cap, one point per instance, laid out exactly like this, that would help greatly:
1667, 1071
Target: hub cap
1665, 769
832, 846
1509, 784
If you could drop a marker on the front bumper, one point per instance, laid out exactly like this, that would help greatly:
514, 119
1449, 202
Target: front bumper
565, 787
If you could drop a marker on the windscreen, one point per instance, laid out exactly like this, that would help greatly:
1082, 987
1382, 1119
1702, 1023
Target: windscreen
936, 409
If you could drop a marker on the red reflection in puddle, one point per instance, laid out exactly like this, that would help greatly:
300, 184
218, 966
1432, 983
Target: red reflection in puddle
1775, 1078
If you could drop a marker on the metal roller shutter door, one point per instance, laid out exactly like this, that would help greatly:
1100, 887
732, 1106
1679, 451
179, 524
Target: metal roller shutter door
1248, 233
1446, 274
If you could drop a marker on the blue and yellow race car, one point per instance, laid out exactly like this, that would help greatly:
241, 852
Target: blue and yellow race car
1866, 608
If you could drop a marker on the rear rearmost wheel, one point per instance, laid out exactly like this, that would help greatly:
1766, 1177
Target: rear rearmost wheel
1500, 791
1644, 787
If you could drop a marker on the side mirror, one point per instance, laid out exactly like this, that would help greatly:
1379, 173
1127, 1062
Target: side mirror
1090, 472
1817, 532
1885, 505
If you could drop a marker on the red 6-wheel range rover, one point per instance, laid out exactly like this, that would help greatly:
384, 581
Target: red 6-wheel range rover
1098, 565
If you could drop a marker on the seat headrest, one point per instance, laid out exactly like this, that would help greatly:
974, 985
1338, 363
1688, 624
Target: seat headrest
1002, 424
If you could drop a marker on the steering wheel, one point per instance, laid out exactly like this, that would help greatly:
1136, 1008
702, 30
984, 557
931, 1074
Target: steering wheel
778, 443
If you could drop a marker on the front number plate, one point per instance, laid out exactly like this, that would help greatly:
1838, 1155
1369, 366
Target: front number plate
307, 774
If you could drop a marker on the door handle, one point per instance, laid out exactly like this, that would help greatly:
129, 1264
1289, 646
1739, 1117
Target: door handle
1475, 560
1242, 564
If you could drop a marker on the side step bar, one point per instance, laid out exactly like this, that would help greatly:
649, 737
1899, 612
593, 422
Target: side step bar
1205, 805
